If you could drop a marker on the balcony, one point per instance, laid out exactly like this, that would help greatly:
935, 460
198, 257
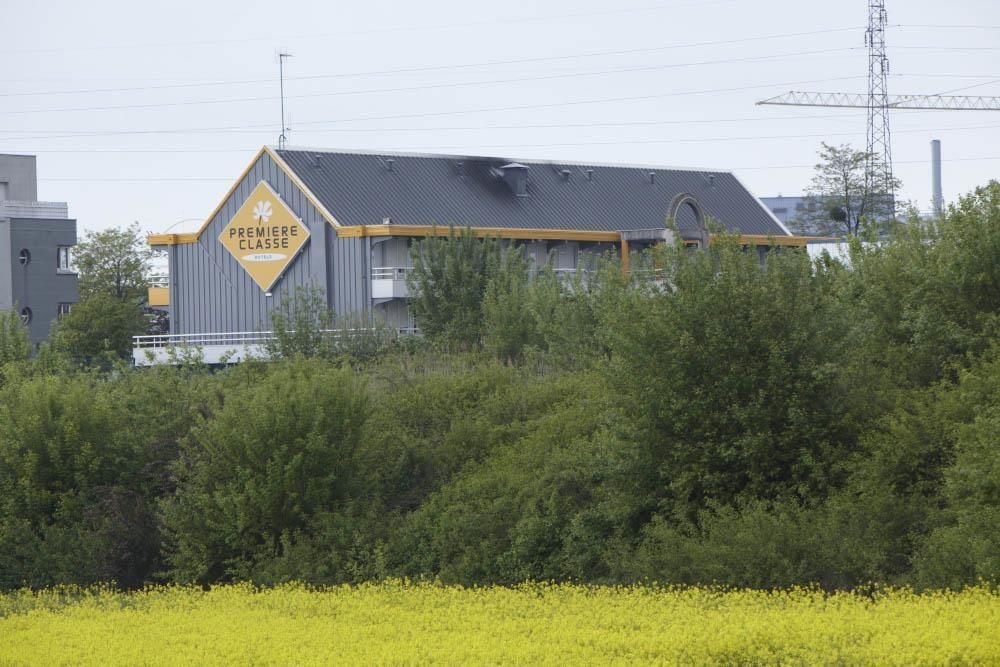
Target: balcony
389, 282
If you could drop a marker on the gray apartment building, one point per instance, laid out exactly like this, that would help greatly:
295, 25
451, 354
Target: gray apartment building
343, 222
37, 279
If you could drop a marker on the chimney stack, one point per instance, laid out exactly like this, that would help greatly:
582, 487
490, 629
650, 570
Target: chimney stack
936, 194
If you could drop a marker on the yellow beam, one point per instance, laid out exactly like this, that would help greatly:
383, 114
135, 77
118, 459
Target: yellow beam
170, 239
159, 296
762, 240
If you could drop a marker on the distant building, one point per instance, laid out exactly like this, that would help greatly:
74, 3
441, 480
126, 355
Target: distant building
344, 223
784, 208
37, 279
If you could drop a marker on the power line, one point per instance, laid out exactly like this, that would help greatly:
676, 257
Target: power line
947, 48
432, 68
255, 129
551, 105
459, 84
408, 28
612, 142
937, 26
132, 179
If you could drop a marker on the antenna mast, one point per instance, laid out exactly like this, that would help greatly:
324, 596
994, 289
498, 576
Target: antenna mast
282, 138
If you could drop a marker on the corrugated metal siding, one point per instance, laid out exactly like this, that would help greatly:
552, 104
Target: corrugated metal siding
391, 252
359, 189
211, 292
349, 275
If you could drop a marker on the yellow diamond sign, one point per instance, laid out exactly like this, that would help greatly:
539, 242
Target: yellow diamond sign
264, 236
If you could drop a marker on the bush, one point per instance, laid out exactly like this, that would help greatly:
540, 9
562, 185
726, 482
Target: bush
268, 462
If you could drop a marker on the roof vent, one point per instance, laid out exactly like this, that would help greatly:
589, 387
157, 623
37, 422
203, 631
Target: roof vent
652, 177
460, 168
515, 175
565, 174
590, 174
388, 164
316, 160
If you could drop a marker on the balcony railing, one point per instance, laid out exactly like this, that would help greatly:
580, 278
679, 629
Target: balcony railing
390, 272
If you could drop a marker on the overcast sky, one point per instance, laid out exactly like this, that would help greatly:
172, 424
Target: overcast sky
149, 111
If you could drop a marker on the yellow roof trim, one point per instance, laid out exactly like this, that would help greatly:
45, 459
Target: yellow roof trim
174, 239
762, 240
171, 239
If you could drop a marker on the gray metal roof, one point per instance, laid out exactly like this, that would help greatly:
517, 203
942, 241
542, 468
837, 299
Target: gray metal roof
365, 188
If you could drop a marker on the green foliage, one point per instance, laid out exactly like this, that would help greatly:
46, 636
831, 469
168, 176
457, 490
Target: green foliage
509, 325
703, 418
840, 199
98, 330
734, 372
266, 465
81, 463
14, 342
448, 283
305, 326
114, 262
302, 326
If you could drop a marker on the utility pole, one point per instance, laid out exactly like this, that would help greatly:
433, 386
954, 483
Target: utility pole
282, 138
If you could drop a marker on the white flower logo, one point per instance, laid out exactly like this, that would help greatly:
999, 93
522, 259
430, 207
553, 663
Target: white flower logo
262, 211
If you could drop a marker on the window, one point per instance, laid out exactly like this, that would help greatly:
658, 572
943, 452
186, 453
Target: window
26, 316
65, 309
64, 259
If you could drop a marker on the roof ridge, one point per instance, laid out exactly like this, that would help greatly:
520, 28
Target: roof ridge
452, 156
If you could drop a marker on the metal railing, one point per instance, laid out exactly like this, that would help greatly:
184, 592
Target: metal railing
240, 338
159, 281
390, 272
237, 338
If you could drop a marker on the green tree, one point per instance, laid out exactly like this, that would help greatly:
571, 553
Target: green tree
733, 369
509, 326
840, 200
305, 326
926, 297
14, 342
262, 473
98, 330
114, 262
447, 285
82, 460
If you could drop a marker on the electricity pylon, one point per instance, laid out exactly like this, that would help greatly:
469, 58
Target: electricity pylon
878, 164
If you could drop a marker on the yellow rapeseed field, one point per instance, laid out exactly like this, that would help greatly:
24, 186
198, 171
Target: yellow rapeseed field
400, 623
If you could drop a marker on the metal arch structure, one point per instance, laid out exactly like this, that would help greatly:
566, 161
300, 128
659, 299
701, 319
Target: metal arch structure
689, 200
797, 98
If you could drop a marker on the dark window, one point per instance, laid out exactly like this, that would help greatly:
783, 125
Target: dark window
26, 315
24, 257
65, 309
